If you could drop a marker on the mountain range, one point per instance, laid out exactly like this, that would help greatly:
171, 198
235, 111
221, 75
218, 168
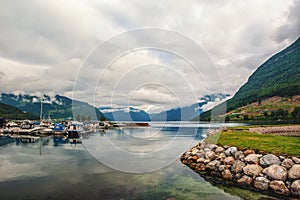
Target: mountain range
56, 107
175, 114
278, 77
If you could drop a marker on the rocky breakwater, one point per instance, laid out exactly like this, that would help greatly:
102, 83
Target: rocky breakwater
266, 173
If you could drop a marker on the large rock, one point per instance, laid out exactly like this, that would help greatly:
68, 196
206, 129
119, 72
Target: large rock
239, 155
249, 151
253, 158
268, 160
276, 172
229, 160
226, 174
245, 180
294, 172
252, 170
261, 183
210, 155
279, 187
237, 166
295, 187
287, 163
231, 151
213, 165
296, 160
219, 149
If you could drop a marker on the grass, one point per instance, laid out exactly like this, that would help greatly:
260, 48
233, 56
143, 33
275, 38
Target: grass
243, 139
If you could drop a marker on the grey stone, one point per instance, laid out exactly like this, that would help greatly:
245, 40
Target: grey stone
245, 180
239, 155
229, 160
237, 166
268, 160
221, 168
253, 158
221, 156
296, 160
294, 172
213, 165
295, 187
279, 187
212, 147
276, 172
287, 163
231, 151
261, 183
252, 170
248, 152
200, 160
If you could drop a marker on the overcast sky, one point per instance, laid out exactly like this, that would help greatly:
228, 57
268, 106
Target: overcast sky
51, 46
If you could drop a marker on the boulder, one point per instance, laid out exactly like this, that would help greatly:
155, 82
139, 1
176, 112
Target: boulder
229, 160
221, 156
239, 155
221, 168
296, 160
195, 151
231, 151
245, 180
212, 147
295, 187
213, 165
294, 172
261, 183
279, 187
237, 166
210, 155
219, 149
268, 160
200, 160
287, 163
248, 152
226, 174
253, 158
252, 170
276, 172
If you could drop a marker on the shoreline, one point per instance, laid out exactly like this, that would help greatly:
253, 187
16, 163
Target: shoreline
277, 176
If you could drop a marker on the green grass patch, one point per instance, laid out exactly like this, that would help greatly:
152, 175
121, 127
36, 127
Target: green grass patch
243, 139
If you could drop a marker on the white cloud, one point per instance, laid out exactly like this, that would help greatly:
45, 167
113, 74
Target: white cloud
43, 46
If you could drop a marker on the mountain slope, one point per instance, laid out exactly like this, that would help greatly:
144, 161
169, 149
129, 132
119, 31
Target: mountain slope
10, 112
188, 112
57, 107
278, 76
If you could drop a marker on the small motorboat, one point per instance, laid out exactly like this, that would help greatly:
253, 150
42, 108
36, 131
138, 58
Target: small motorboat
75, 131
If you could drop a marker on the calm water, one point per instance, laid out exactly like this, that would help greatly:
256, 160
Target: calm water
99, 168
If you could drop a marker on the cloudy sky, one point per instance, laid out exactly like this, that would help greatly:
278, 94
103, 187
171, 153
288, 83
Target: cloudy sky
152, 55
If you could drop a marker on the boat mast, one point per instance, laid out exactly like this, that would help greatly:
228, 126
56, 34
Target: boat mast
41, 111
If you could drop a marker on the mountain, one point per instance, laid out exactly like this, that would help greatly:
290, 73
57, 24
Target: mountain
125, 114
278, 76
57, 107
10, 112
189, 112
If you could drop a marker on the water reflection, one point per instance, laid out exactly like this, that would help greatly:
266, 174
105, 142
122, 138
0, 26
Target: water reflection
69, 172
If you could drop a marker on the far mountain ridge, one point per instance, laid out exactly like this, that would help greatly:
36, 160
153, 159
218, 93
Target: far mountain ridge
55, 107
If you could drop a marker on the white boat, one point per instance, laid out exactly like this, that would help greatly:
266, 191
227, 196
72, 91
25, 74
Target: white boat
29, 128
75, 131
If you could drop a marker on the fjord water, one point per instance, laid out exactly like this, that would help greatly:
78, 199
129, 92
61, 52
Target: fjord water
45, 170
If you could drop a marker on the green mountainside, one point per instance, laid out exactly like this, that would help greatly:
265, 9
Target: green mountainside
10, 112
278, 76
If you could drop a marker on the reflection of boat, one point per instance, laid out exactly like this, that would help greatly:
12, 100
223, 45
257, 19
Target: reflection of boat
74, 132
60, 134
